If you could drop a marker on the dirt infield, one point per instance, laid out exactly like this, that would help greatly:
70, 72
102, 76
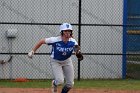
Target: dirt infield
48, 90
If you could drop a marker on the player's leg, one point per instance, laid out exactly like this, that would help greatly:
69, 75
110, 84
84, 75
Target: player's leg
58, 75
69, 76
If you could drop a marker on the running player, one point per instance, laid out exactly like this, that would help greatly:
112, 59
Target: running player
61, 63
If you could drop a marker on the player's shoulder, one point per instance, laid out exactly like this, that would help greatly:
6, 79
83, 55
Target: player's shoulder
57, 38
72, 39
54, 39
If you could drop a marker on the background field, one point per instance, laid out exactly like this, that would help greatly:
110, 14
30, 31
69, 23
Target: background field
127, 84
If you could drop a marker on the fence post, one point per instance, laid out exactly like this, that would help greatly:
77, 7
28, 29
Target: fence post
79, 36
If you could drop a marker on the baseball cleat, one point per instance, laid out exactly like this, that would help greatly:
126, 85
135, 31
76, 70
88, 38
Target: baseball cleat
54, 87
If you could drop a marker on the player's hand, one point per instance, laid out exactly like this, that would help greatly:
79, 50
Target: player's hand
79, 55
30, 54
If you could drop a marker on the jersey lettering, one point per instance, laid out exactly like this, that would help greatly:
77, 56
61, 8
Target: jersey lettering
61, 49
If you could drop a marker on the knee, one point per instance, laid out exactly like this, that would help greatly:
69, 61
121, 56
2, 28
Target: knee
59, 81
70, 85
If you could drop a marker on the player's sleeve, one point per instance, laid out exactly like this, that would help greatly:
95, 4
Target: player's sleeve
75, 42
49, 41
76, 46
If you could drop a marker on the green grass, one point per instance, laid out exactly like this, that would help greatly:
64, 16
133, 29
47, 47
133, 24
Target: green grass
30, 84
110, 84
104, 84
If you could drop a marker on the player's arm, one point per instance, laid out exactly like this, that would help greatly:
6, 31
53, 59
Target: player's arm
76, 48
31, 53
78, 52
42, 41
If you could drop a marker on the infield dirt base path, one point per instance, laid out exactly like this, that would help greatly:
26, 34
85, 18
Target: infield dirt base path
48, 90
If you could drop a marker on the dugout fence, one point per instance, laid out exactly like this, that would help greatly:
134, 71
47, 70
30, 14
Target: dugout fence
100, 29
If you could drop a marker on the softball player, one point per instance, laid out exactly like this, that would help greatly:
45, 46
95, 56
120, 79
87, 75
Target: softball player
61, 63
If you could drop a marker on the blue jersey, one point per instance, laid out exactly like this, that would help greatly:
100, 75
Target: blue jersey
60, 50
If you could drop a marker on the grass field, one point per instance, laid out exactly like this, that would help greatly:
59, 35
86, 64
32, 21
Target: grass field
127, 84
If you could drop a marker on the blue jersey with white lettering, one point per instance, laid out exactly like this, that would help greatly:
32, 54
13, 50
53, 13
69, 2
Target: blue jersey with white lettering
60, 50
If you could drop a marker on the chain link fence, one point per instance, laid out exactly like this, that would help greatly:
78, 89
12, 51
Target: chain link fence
98, 28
